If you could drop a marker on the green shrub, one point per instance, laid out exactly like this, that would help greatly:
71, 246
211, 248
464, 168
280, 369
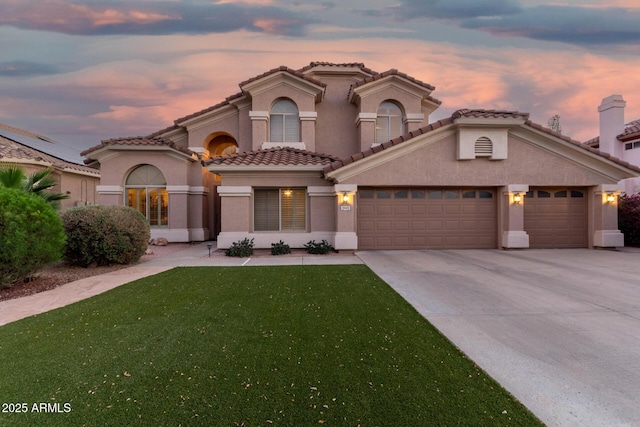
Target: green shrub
241, 248
322, 248
629, 218
31, 234
280, 248
104, 235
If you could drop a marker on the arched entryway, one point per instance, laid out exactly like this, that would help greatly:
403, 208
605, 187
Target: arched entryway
218, 144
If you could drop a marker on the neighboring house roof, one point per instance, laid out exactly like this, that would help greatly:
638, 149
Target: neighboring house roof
631, 132
278, 156
359, 65
20, 146
148, 141
467, 113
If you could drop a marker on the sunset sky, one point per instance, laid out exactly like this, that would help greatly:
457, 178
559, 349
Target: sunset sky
83, 71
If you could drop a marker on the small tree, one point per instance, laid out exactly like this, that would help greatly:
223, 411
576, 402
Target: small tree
31, 234
629, 218
104, 235
39, 183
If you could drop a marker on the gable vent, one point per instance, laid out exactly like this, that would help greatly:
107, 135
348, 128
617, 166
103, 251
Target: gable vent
484, 147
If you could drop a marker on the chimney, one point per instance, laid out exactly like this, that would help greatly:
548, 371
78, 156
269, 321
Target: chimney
611, 124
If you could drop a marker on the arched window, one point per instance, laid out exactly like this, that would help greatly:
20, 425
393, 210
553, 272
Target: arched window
284, 122
389, 123
146, 190
222, 145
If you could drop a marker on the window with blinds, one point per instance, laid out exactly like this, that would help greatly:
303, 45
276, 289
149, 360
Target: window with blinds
280, 210
389, 122
284, 122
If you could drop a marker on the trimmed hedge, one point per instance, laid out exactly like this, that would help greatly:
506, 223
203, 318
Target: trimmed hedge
629, 218
104, 235
31, 234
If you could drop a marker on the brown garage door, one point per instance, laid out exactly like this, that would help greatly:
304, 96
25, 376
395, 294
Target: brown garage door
426, 218
556, 217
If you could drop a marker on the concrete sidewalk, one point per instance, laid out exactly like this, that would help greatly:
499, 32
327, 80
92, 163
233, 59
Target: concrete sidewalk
194, 256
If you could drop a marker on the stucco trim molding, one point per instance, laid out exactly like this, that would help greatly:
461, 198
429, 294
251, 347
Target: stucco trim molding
366, 117
320, 191
234, 191
511, 189
109, 189
259, 115
515, 239
345, 241
308, 116
608, 239
414, 118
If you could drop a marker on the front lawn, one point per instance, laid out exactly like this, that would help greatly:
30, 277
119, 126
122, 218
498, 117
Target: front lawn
245, 346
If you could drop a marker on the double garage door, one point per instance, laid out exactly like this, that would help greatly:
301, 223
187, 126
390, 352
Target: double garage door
465, 218
426, 218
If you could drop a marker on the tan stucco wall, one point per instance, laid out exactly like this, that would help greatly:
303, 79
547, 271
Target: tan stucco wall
435, 164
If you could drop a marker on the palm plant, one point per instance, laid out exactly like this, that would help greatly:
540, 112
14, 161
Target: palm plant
39, 183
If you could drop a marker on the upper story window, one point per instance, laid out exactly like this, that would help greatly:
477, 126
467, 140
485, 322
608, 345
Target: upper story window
389, 123
284, 122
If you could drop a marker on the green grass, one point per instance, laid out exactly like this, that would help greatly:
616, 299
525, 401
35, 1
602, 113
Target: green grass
246, 346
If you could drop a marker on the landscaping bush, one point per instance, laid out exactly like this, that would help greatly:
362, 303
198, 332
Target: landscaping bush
629, 218
280, 248
241, 248
31, 234
104, 235
322, 248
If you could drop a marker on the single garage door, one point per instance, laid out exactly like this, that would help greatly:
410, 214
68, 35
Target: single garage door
556, 217
426, 218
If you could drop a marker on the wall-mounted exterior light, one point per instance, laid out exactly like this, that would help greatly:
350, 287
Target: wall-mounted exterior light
517, 198
345, 198
610, 197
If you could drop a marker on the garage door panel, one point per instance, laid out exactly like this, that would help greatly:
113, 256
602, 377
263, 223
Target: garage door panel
384, 210
413, 221
557, 221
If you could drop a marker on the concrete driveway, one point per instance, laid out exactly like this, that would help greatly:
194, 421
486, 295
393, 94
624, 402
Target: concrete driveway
559, 329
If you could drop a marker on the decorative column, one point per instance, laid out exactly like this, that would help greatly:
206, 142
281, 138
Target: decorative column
413, 122
605, 216
236, 214
366, 124
346, 237
308, 129
259, 128
512, 210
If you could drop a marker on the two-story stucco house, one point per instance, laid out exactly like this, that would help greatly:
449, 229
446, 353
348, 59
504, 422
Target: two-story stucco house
347, 154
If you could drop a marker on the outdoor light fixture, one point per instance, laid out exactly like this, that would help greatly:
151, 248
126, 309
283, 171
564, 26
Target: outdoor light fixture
287, 192
517, 198
611, 197
209, 245
345, 198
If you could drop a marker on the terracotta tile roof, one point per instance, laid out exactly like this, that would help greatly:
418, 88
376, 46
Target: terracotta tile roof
224, 103
138, 140
631, 131
491, 114
359, 65
12, 151
470, 113
279, 156
286, 69
393, 72
354, 158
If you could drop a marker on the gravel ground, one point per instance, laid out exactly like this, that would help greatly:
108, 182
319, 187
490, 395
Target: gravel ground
60, 273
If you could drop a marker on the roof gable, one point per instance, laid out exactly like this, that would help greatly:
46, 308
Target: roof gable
560, 144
